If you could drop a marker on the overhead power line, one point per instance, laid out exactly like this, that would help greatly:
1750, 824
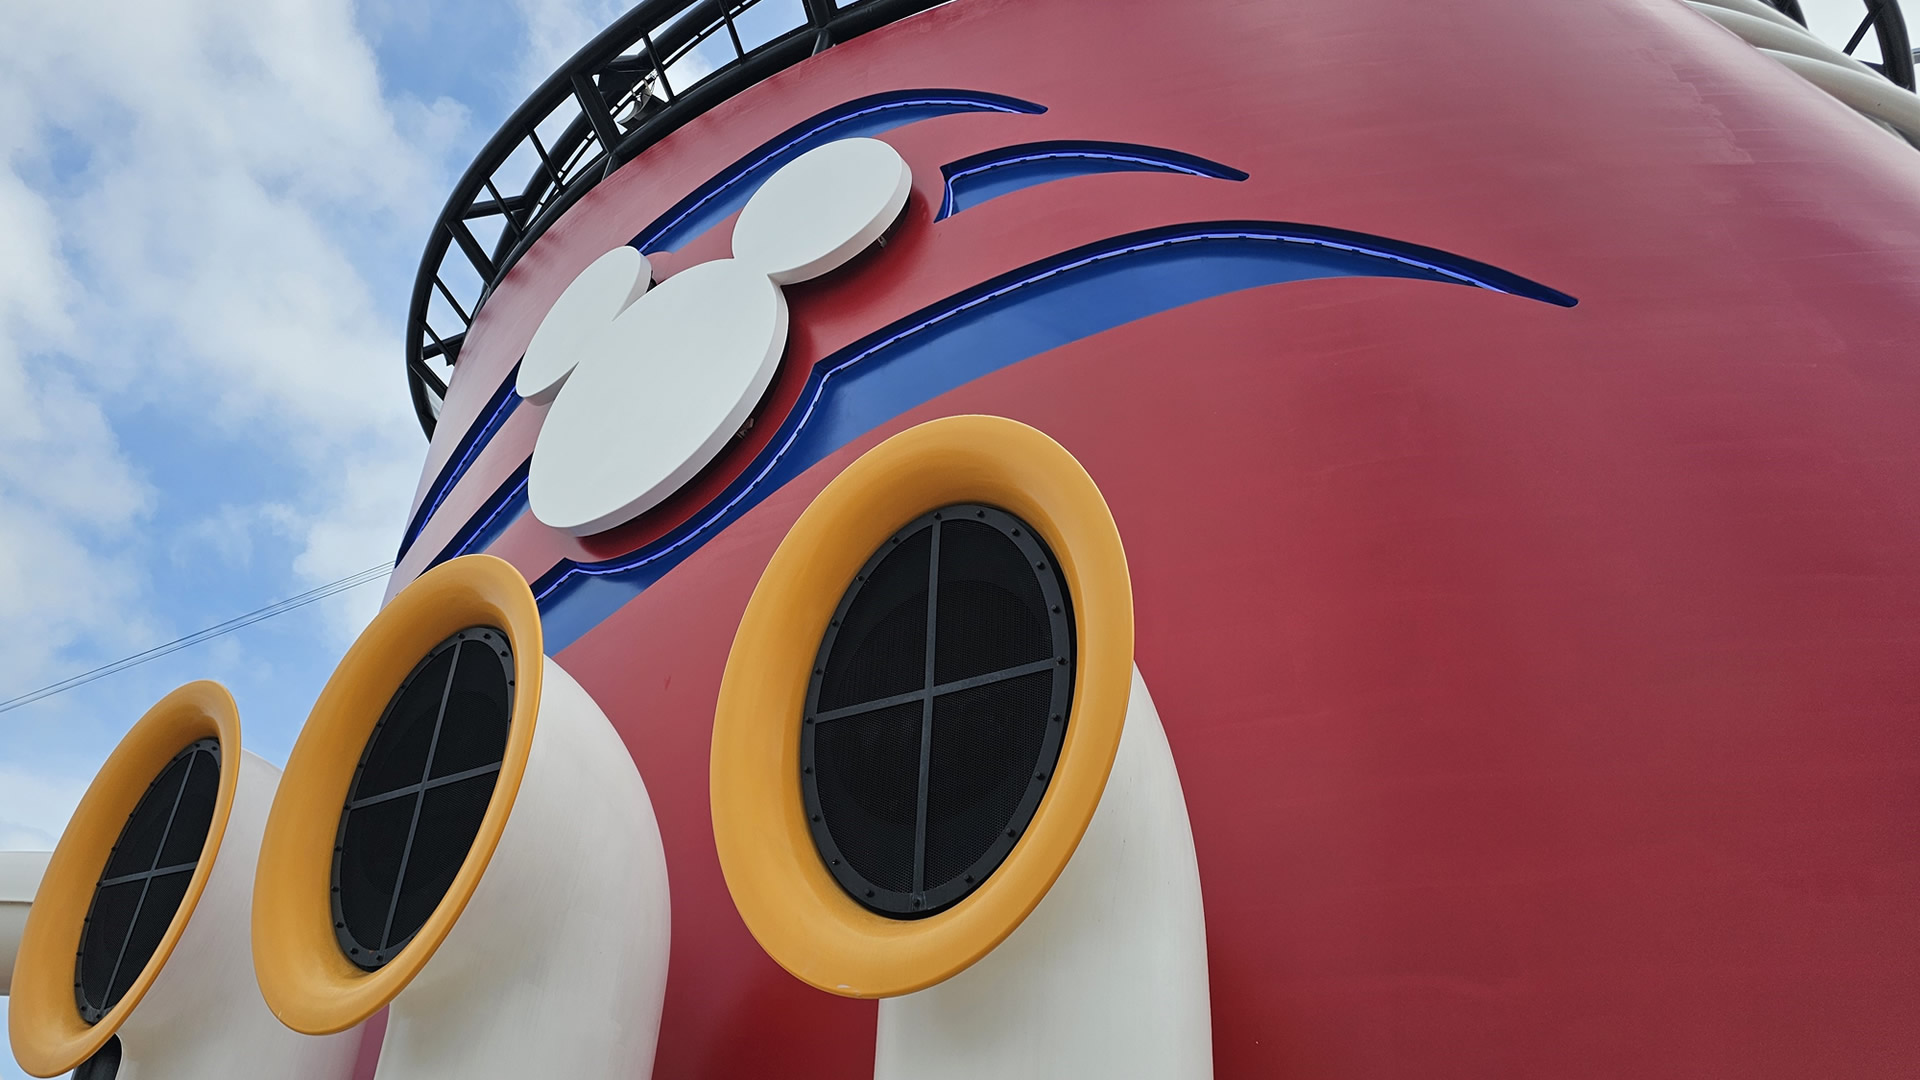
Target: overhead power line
371, 573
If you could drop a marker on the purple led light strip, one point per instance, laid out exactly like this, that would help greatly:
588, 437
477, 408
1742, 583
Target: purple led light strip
1157, 163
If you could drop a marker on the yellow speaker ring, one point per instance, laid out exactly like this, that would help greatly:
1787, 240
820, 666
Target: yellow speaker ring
789, 899
307, 980
46, 1029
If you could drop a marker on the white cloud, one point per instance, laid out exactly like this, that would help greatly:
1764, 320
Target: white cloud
1834, 22
362, 529
61, 470
35, 806
191, 195
212, 211
556, 29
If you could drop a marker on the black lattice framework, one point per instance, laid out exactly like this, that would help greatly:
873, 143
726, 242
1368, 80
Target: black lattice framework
616, 97
146, 878
1889, 26
622, 92
936, 710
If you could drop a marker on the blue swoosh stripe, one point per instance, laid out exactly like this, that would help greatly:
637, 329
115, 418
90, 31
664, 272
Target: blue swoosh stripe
1013, 317
504, 401
501, 509
981, 177
717, 199
712, 203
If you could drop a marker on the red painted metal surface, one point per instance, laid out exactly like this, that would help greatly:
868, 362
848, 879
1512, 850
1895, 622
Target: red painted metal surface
1542, 681
372, 1032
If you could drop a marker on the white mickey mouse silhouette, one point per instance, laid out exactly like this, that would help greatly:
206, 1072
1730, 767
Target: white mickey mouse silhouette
595, 298
649, 384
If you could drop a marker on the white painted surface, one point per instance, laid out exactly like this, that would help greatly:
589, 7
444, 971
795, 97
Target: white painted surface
1759, 10
657, 383
821, 209
1856, 85
607, 287
558, 965
1107, 979
657, 396
20, 873
203, 1017
1870, 95
1768, 34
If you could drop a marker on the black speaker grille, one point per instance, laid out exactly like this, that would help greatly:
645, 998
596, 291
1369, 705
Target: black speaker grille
868, 769
146, 877
421, 788
103, 1065
936, 709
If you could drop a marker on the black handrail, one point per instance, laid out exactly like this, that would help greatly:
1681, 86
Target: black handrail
1887, 23
1896, 49
623, 100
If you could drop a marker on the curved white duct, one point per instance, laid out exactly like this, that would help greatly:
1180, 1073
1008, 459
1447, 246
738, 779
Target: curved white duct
1083, 952
19, 877
1872, 95
1853, 83
548, 954
195, 1012
1767, 34
1757, 9
204, 1019
1107, 978
567, 931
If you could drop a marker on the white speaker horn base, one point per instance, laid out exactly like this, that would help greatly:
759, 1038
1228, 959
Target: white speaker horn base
558, 965
203, 1018
1107, 978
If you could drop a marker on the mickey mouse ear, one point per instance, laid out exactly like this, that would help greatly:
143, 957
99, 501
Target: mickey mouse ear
821, 209
603, 290
657, 397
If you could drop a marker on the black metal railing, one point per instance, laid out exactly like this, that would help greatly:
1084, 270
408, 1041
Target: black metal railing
657, 67
1883, 17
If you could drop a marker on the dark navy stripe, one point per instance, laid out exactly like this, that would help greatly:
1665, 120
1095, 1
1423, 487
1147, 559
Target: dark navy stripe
712, 203
500, 510
498, 408
981, 177
991, 326
719, 198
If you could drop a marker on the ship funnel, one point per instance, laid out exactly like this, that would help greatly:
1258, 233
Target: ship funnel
462, 838
938, 778
134, 955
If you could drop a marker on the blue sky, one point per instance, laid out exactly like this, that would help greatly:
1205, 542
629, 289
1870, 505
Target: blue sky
211, 212
210, 246
210, 215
